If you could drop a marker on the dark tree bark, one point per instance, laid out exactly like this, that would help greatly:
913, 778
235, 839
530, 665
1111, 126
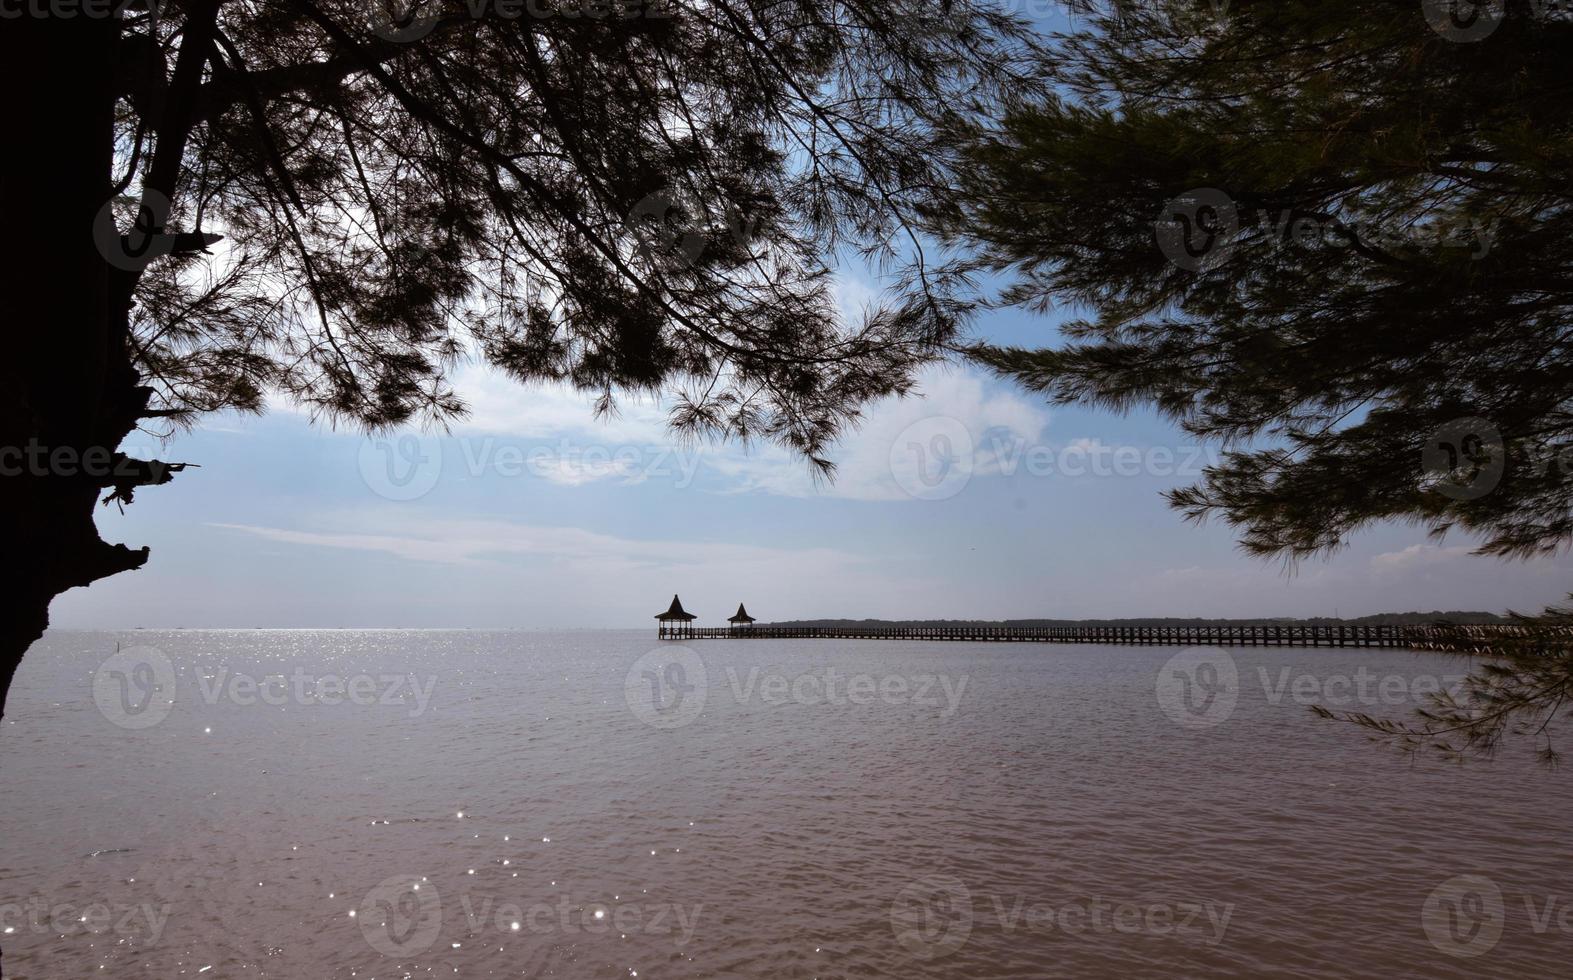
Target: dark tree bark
68, 392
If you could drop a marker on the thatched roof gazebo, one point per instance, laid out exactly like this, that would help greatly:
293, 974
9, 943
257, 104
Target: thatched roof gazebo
674, 622
741, 618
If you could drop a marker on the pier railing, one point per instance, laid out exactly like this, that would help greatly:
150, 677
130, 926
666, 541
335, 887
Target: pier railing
1221, 635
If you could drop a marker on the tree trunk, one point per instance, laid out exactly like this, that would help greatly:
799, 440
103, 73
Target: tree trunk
68, 392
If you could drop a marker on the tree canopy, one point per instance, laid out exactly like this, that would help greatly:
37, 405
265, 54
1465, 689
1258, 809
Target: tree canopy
338, 202
625, 197
1337, 240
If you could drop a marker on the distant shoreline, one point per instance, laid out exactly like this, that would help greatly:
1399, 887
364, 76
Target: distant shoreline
1378, 619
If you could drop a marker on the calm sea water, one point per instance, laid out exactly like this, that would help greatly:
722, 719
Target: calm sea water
395, 804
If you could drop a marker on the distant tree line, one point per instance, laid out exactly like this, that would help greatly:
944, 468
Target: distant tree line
1377, 619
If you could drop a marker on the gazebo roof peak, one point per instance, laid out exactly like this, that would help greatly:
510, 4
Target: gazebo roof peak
676, 611
741, 616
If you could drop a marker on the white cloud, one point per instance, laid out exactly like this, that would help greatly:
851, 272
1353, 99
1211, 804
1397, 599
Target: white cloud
1417, 557
855, 295
875, 461
464, 542
577, 472
957, 413
879, 460
500, 405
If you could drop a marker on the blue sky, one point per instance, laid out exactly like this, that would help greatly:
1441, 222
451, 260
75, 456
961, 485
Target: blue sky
534, 514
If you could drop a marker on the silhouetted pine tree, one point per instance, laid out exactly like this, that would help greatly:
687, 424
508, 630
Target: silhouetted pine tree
1337, 238
627, 196
1522, 679
1341, 231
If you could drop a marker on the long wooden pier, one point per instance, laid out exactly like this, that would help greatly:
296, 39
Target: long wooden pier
1222, 635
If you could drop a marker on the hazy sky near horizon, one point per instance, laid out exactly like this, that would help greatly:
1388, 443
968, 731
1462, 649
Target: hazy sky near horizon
975, 500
